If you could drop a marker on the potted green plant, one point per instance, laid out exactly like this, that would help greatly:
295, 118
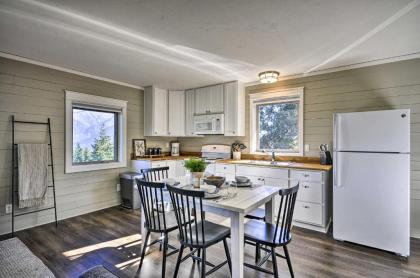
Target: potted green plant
196, 166
237, 148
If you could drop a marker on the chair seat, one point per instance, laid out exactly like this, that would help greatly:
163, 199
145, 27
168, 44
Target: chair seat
263, 233
171, 223
213, 233
258, 214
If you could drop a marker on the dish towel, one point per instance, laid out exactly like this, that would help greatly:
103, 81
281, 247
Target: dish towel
33, 174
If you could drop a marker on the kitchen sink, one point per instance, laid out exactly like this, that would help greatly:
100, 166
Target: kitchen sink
268, 162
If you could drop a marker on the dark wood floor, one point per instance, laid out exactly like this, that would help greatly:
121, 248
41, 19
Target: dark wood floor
111, 237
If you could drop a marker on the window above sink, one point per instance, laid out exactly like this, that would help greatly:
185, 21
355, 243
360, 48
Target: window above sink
277, 122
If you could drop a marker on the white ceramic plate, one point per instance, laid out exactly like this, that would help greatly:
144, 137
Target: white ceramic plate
212, 195
248, 184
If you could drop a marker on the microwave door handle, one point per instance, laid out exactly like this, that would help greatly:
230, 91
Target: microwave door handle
214, 125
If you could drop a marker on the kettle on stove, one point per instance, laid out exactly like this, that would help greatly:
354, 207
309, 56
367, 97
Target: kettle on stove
325, 155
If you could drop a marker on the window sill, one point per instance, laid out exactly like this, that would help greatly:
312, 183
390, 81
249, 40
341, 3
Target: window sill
94, 167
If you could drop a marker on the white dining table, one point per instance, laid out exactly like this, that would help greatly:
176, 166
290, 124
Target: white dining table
246, 200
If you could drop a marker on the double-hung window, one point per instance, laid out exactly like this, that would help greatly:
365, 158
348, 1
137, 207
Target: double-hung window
95, 132
277, 122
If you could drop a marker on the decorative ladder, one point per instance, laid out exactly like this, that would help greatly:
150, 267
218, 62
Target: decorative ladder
15, 168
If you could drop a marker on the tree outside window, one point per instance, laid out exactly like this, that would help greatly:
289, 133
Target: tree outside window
278, 127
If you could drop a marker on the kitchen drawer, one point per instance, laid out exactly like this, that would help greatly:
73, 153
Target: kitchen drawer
158, 164
280, 183
267, 172
309, 176
225, 168
310, 192
256, 180
308, 212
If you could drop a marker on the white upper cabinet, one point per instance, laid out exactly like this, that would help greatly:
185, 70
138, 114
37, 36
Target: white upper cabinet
171, 113
201, 100
155, 112
234, 108
216, 99
176, 113
209, 99
189, 112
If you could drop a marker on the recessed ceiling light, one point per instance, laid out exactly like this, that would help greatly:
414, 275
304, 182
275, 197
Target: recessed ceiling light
269, 76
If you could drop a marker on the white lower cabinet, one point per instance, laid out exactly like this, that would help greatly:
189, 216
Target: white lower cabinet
313, 205
309, 212
176, 167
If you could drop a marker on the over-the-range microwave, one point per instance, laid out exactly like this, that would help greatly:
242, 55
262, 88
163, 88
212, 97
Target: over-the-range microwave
209, 124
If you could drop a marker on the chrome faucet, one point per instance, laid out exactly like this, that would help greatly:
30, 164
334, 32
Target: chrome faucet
273, 157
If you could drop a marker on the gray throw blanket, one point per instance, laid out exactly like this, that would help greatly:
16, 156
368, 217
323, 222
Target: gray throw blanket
33, 174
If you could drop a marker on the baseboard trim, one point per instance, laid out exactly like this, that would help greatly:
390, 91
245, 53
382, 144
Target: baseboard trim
415, 233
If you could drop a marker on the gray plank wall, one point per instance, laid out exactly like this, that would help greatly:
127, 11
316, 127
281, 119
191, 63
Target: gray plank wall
35, 93
387, 86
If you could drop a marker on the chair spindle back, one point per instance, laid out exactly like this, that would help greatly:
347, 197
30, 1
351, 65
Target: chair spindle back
155, 174
151, 197
191, 227
285, 213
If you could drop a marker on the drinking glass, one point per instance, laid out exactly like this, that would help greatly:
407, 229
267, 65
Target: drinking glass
233, 190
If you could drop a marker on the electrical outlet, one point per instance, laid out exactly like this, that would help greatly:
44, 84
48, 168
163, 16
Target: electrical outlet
118, 187
306, 147
167, 145
8, 208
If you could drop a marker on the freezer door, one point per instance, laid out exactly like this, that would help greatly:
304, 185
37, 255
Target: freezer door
376, 131
372, 200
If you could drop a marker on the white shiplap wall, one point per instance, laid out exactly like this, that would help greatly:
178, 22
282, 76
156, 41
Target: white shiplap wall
388, 86
35, 93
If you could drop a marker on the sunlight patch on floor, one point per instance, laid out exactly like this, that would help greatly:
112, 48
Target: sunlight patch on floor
128, 263
115, 243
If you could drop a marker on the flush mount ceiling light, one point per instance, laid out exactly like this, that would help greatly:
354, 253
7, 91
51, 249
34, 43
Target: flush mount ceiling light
269, 76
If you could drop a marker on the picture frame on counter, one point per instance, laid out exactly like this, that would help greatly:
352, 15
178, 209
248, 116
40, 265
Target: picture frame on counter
139, 147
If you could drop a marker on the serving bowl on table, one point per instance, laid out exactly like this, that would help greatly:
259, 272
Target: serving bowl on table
215, 180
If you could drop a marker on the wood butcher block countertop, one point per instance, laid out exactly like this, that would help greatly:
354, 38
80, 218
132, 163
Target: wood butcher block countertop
281, 164
161, 158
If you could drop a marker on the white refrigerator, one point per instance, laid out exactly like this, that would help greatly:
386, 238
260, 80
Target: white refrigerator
371, 192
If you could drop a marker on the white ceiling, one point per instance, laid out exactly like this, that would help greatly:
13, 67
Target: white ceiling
186, 43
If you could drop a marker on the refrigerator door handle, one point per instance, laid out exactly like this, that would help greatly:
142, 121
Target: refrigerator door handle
336, 177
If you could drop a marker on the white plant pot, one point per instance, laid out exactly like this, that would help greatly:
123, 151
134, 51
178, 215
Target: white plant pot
236, 155
196, 178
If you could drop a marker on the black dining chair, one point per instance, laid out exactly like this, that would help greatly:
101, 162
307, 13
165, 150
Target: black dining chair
198, 234
155, 174
157, 220
269, 236
258, 214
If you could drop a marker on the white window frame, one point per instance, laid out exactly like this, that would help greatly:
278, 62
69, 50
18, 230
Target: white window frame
288, 95
97, 101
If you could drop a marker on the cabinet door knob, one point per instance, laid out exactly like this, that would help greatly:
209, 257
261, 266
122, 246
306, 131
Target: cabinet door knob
306, 186
306, 175
306, 207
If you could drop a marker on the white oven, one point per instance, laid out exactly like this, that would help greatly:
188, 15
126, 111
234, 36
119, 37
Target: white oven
209, 124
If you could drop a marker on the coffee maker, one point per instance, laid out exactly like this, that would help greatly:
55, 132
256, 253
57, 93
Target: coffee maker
174, 149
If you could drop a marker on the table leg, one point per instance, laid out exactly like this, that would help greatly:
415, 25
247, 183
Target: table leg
270, 211
143, 230
237, 244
